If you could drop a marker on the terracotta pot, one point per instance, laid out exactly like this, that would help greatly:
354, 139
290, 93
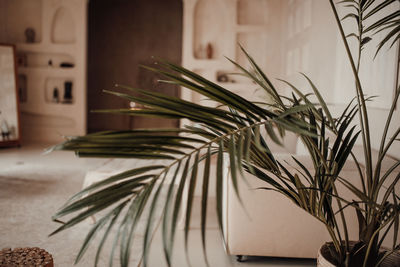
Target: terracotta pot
392, 260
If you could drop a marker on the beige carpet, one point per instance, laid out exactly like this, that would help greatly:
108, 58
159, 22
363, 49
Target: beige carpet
32, 188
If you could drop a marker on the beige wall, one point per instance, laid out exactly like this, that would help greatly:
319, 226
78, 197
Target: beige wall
318, 51
289, 37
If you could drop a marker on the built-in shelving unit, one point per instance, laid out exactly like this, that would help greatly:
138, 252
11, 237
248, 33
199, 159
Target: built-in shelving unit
51, 64
213, 30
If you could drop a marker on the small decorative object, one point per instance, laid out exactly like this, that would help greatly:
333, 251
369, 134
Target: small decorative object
66, 65
22, 60
5, 131
209, 51
67, 92
26, 257
22, 92
136, 106
50, 63
56, 97
223, 77
30, 35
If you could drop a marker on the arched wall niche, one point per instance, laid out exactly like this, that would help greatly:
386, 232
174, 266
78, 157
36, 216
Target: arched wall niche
16, 16
254, 12
63, 27
210, 29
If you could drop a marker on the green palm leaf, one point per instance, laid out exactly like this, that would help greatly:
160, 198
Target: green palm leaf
236, 131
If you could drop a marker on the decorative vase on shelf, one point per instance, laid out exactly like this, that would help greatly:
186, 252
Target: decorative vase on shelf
66, 65
67, 99
56, 98
30, 35
22, 88
209, 51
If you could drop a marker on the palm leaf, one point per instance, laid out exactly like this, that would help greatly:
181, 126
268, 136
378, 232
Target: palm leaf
192, 186
165, 236
105, 236
97, 227
233, 129
219, 185
204, 200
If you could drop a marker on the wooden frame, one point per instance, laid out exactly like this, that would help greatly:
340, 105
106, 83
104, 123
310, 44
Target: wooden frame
16, 141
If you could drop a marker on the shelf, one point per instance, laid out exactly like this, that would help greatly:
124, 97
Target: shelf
39, 122
43, 59
29, 46
48, 48
48, 109
209, 64
47, 71
18, 16
211, 31
59, 88
250, 28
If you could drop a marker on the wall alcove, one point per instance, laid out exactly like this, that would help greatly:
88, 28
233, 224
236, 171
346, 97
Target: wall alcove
43, 59
253, 12
210, 27
13, 25
63, 27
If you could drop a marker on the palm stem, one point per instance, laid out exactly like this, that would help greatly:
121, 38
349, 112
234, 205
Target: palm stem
372, 240
363, 114
382, 151
360, 37
360, 41
388, 145
346, 233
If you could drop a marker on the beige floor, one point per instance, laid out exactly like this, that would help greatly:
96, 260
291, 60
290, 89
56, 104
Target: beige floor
33, 186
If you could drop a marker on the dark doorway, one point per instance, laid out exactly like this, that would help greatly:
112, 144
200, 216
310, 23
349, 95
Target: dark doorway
122, 35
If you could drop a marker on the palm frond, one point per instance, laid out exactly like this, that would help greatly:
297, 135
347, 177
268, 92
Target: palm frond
235, 131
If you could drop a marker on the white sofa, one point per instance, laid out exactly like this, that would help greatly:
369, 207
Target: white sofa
269, 224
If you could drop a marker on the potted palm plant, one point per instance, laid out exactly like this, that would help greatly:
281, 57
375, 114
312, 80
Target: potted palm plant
237, 128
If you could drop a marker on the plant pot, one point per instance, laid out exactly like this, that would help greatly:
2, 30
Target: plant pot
323, 259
